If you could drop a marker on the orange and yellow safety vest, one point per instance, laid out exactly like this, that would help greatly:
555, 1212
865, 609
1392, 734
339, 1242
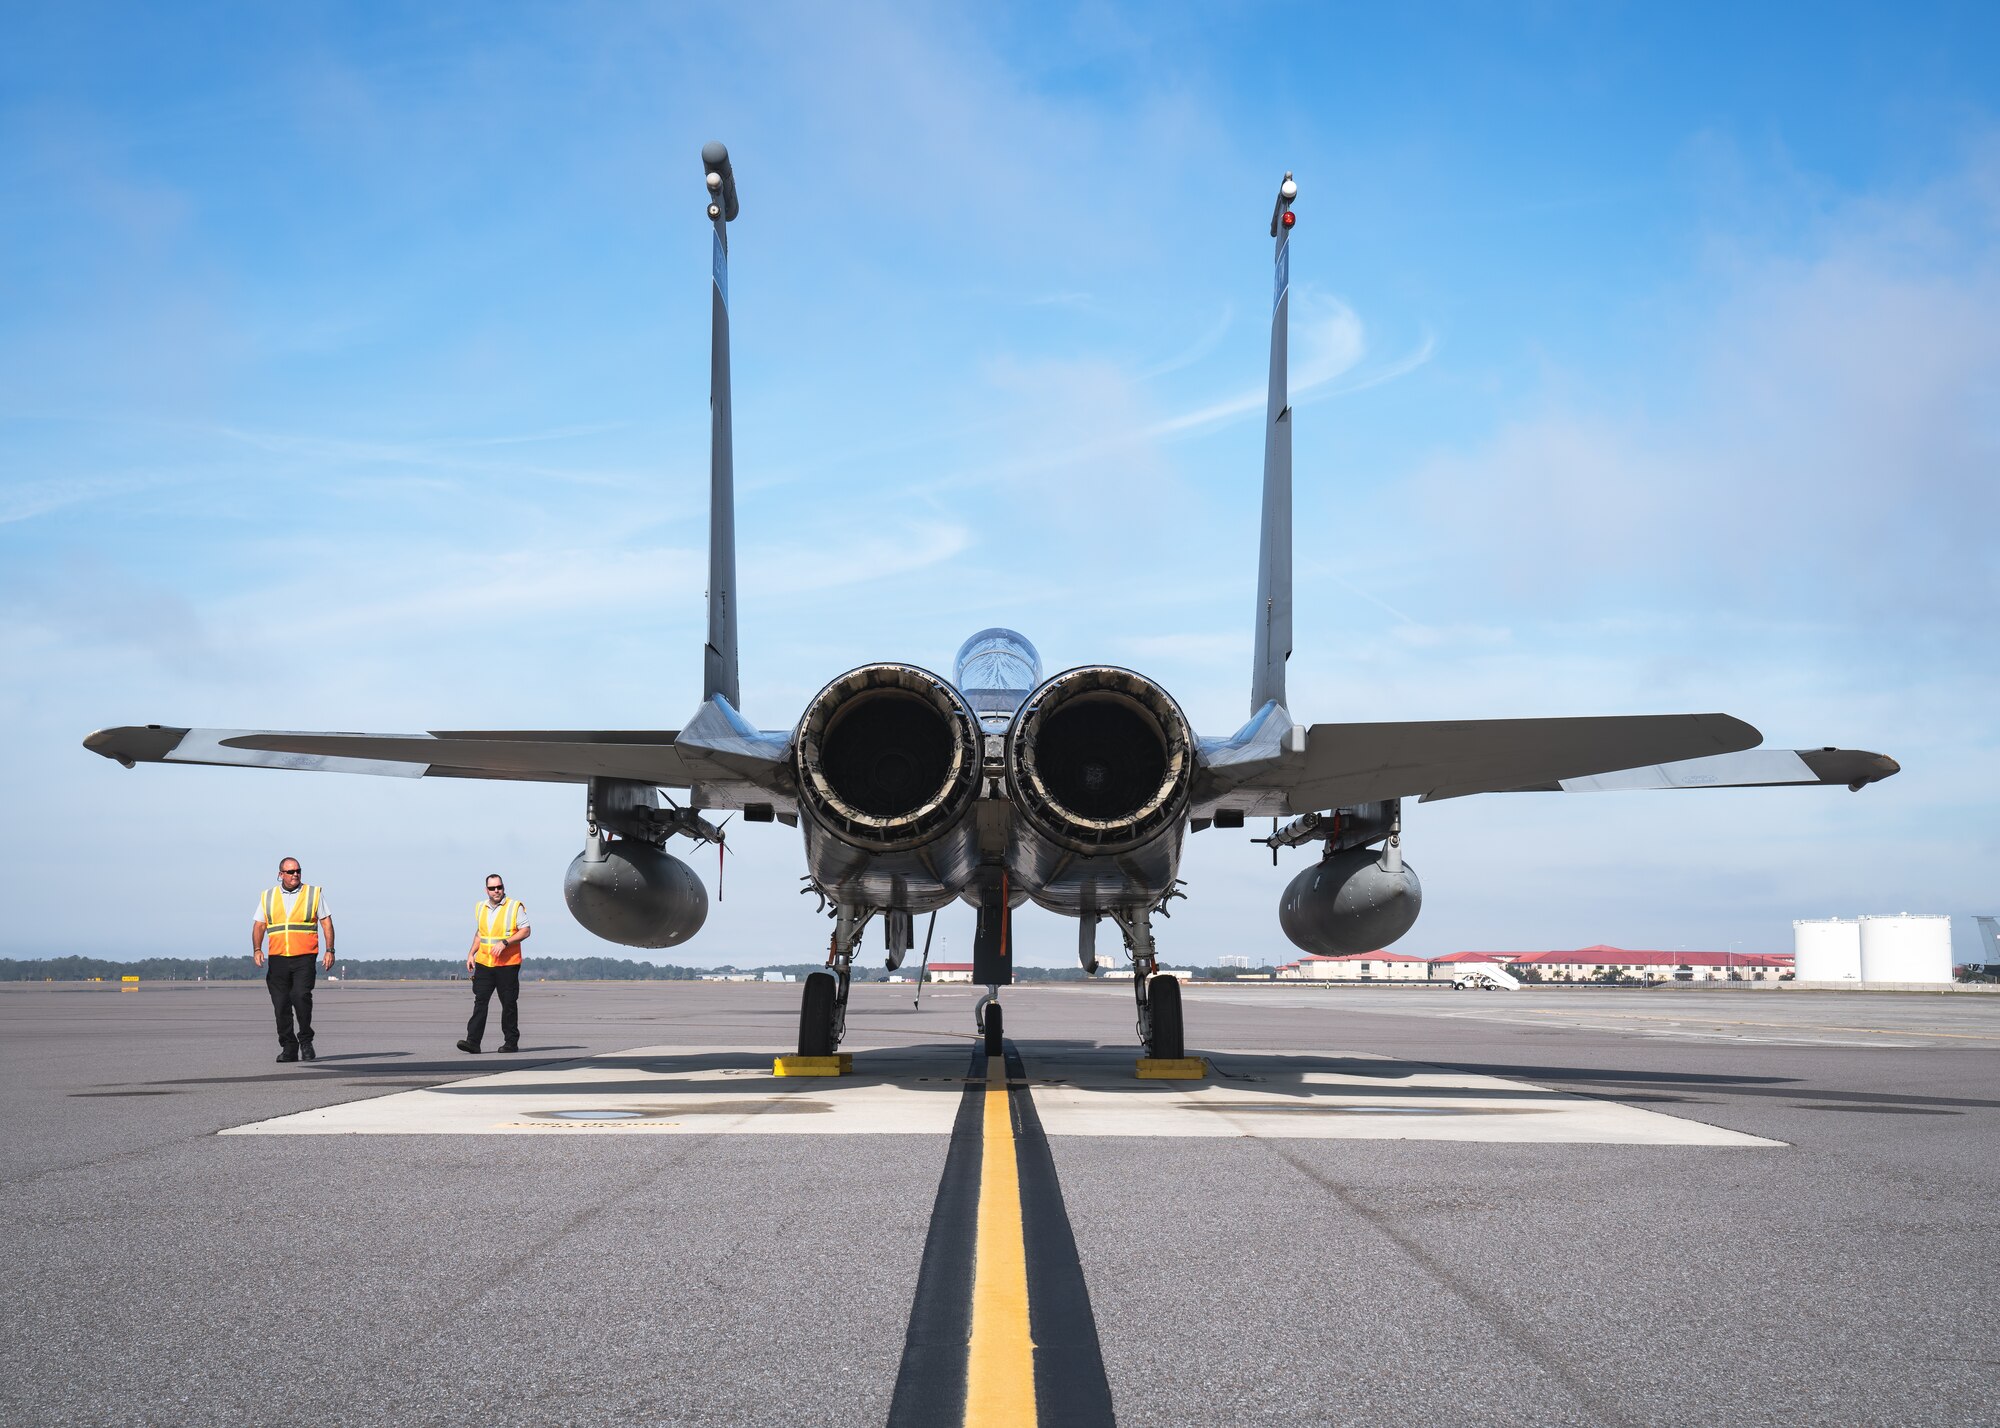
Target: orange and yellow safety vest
495, 924
293, 930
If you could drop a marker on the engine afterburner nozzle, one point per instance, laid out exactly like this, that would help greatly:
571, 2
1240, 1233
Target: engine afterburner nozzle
887, 756
1100, 759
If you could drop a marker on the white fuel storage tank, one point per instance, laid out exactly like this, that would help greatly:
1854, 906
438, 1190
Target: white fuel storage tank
1826, 949
1908, 947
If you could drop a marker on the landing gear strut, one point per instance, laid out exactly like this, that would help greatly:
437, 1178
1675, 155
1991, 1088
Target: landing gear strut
823, 1009
992, 956
1159, 997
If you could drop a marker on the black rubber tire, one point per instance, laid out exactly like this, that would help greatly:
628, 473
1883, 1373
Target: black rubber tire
1164, 993
816, 1015
994, 1031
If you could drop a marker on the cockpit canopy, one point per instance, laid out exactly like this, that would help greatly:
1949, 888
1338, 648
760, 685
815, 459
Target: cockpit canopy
995, 670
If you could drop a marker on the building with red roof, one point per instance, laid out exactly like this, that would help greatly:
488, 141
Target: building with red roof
1357, 967
1583, 964
1589, 964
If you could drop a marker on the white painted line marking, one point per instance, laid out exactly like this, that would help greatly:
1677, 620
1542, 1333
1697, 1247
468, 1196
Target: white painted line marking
1273, 1096
663, 1090
916, 1091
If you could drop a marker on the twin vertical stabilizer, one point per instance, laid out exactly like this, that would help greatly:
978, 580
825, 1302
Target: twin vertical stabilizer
719, 656
1274, 554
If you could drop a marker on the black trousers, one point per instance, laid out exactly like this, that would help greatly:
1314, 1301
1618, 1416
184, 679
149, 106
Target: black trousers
485, 982
290, 980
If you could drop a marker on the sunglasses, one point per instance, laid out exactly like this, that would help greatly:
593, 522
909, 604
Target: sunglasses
289, 872
496, 887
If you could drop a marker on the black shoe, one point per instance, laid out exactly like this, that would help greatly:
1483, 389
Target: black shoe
468, 1046
306, 1052
288, 1055
510, 1046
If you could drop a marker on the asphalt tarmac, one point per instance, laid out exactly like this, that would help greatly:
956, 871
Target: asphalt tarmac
1386, 1206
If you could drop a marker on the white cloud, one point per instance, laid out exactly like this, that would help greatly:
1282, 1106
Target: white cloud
1830, 444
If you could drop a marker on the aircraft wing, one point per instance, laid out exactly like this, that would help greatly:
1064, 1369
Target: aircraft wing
1345, 764
1752, 768
537, 756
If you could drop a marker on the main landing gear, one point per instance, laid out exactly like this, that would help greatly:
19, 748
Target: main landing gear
1159, 998
823, 1009
1160, 1002
823, 1014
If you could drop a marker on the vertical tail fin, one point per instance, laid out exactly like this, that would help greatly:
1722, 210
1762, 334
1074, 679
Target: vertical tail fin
1989, 937
1274, 554
719, 656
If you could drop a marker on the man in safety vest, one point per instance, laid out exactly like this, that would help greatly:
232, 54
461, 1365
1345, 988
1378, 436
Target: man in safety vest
500, 927
295, 917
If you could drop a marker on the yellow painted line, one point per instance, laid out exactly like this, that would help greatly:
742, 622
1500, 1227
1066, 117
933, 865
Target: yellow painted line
1766, 1025
1000, 1369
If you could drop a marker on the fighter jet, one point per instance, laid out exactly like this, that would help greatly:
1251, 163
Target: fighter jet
1000, 785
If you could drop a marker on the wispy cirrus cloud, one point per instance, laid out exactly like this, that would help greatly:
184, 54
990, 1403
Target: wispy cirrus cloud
442, 454
1075, 414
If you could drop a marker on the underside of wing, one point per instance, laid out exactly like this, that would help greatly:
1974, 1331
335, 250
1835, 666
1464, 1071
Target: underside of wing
1347, 764
1753, 768
539, 756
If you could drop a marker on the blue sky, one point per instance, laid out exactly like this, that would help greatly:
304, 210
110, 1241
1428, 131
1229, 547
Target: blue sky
353, 376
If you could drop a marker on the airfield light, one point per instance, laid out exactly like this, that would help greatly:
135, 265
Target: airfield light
1288, 190
715, 210
714, 182
1289, 219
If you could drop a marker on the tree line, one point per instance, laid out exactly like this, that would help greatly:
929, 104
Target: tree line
242, 969
439, 969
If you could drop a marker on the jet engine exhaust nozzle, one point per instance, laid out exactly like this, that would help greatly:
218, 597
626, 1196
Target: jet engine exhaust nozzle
1100, 759
887, 757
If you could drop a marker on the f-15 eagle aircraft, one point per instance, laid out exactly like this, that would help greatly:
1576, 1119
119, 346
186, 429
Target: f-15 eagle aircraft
998, 786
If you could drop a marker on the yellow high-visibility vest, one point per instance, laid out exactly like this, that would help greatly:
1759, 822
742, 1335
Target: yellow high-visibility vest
494, 926
293, 930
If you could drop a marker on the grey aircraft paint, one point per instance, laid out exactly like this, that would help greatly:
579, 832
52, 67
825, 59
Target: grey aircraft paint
1076, 790
719, 655
1274, 543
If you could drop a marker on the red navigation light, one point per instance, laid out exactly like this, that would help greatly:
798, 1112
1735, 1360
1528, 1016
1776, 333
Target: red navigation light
1289, 219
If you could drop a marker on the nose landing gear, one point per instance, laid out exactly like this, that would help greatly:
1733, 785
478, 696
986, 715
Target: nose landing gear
986, 1016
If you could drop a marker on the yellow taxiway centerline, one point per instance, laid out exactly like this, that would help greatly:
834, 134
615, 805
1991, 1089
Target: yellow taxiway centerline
1000, 1368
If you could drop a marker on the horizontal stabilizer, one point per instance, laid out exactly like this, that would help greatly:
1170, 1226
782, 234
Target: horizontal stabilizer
537, 756
1753, 768
1361, 763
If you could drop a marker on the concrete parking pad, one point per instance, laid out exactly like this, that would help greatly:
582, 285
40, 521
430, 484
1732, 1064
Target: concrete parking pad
667, 1090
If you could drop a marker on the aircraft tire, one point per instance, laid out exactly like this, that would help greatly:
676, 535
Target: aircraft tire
994, 1046
816, 1012
1164, 993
